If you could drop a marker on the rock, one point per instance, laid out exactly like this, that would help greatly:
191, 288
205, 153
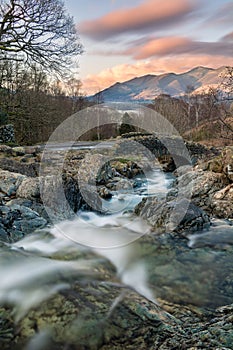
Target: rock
63, 196
208, 190
200, 186
90, 199
82, 319
108, 316
5, 149
29, 189
219, 235
31, 169
18, 151
167, 163
215, 165
92, 168
18, 221
10, 182
222, 202
222, 163
3, 233
227, 156
105, 193
32, 204
176, 215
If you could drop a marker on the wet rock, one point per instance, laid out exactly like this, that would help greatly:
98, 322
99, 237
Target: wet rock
179, 215
105, 193
219, 235
86, 318
90, 198
109, 316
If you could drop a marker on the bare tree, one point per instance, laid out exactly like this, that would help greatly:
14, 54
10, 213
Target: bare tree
226, 85
38, 31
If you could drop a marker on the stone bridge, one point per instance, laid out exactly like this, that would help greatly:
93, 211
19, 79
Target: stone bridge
166, 146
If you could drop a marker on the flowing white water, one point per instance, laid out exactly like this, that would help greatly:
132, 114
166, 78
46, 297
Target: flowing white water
115, 238
33, 269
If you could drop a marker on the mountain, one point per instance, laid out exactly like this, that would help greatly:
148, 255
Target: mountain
149, 86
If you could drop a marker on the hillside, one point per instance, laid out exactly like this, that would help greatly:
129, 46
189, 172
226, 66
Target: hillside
147, 87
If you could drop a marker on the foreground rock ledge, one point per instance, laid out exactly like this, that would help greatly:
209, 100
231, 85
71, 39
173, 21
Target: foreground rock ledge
77, 318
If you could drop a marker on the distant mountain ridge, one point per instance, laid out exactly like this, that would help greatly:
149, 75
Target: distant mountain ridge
147, 87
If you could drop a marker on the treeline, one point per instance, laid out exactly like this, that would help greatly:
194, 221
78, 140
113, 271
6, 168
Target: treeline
199, 117
34, 102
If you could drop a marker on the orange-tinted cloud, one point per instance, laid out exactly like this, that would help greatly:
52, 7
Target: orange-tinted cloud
147, 15
144, 48
177, 64
159, 47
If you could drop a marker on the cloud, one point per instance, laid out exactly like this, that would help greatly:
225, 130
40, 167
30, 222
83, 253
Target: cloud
228, 37
159, 47
179, 45
222, 17
177, 64
149, 14
173, 45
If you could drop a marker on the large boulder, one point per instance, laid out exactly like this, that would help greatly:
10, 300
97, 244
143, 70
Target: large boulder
200, 186
177, 215
209, 190
63, 197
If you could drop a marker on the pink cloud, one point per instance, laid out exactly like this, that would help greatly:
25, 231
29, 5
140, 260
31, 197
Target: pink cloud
159, 47
144, 48
149, 14
179, 45
177, 64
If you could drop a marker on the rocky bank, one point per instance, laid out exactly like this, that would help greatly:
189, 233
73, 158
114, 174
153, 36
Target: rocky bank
189, 264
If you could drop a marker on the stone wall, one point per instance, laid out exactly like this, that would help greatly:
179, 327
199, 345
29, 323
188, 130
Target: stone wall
7, 134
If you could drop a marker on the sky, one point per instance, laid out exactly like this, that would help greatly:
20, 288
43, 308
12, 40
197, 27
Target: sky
126, 39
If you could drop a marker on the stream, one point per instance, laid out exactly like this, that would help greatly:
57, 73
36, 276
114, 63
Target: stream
195, 271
